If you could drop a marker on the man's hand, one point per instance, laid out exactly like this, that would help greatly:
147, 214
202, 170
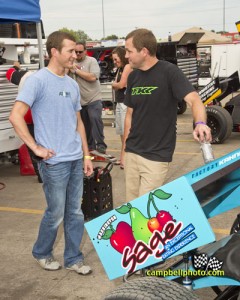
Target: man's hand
17, 64
88, 167
44, 152
202, 133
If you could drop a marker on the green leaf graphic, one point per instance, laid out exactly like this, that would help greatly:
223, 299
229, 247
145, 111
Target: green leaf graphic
160, 194
124, 209
107, 234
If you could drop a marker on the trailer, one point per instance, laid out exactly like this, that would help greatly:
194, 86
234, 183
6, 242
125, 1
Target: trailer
217, 61
19, 27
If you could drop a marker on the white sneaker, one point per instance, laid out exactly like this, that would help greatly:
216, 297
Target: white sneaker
80, 268
49, 263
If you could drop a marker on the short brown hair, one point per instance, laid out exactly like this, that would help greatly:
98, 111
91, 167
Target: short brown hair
82, 43
143, 38
55, 40
121, 52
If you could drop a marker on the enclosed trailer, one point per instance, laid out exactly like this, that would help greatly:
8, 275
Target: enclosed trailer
13, 35
220, 60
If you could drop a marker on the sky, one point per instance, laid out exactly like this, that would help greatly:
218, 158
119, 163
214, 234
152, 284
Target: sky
101, 18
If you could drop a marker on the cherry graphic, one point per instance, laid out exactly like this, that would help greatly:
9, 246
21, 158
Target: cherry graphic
121, 237
153, 224
164, 217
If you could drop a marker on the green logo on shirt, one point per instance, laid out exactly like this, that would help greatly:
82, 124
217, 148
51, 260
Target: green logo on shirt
145, 90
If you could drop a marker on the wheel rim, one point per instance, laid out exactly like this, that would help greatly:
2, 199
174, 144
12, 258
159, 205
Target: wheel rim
236, 226
214, 125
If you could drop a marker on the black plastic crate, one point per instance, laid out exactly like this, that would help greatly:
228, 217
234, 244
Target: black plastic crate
97, 192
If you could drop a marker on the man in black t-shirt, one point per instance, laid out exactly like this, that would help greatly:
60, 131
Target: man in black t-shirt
153, 91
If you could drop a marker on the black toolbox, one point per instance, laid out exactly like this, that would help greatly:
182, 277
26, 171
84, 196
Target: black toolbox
97, 192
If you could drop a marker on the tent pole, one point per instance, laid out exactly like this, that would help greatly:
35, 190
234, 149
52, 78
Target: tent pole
40, 44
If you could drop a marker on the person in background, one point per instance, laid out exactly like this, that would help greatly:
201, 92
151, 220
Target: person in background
18, 76
119, 86
86, 71
153, 91
61, 142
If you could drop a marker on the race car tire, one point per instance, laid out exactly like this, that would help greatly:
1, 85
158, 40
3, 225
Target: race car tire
220, 122
152, 288
182, 107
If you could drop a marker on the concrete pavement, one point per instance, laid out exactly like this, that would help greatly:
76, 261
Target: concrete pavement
22, 204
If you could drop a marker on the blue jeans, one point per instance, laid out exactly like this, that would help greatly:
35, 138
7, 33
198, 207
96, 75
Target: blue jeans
92, 119
63, 187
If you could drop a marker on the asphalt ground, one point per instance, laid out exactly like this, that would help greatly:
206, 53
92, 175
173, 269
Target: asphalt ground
21, 207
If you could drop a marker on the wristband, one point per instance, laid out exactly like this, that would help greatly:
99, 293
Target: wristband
200, 122
88, 157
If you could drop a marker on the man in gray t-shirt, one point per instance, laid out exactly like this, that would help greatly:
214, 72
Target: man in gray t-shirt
86, 72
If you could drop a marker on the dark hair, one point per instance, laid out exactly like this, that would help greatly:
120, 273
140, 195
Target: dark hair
82, 43
55, 40
121, 52
143, 38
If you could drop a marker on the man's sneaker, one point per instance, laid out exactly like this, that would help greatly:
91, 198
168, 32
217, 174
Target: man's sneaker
49, 264
80, 268
101, 149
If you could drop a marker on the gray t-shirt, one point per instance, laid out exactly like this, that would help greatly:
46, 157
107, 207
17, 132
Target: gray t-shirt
90, 91
54, 101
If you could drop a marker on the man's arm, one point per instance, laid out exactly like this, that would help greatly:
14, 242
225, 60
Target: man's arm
127, 127
88, 167
202, 131
91, 77
17, 119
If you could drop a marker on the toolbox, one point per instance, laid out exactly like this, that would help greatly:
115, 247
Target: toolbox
97, 192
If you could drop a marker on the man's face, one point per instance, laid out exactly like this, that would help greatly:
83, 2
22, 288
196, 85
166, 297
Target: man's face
135, 58
80, 52
67, 55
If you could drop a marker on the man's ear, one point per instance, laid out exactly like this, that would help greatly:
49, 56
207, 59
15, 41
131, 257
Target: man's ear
145, 51
54, 51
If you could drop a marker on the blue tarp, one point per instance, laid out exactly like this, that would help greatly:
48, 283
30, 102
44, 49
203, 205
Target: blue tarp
20, 10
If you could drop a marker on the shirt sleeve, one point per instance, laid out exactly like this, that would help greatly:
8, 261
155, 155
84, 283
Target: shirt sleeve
29, 91
180, 85
94, 68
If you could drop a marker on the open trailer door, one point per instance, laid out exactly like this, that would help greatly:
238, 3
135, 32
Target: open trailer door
13, 11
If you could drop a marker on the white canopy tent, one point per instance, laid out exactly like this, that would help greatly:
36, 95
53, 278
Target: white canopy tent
209, 37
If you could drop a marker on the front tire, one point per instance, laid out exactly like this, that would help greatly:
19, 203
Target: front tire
152, 288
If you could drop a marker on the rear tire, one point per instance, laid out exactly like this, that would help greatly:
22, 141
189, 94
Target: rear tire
151, 288
220, 122
236, 225
182, 107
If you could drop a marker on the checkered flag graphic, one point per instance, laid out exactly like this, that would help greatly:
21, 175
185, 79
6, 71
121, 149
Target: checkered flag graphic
214, 264
200, 261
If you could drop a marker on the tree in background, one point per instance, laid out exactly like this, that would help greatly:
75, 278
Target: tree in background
79, 35
110, 37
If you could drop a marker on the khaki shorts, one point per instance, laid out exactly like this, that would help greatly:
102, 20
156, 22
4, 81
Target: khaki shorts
142, 175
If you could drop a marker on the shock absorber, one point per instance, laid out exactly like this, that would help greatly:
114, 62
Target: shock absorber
186, 281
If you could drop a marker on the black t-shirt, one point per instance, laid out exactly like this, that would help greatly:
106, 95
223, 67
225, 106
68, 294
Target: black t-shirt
120, 94
153, 95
